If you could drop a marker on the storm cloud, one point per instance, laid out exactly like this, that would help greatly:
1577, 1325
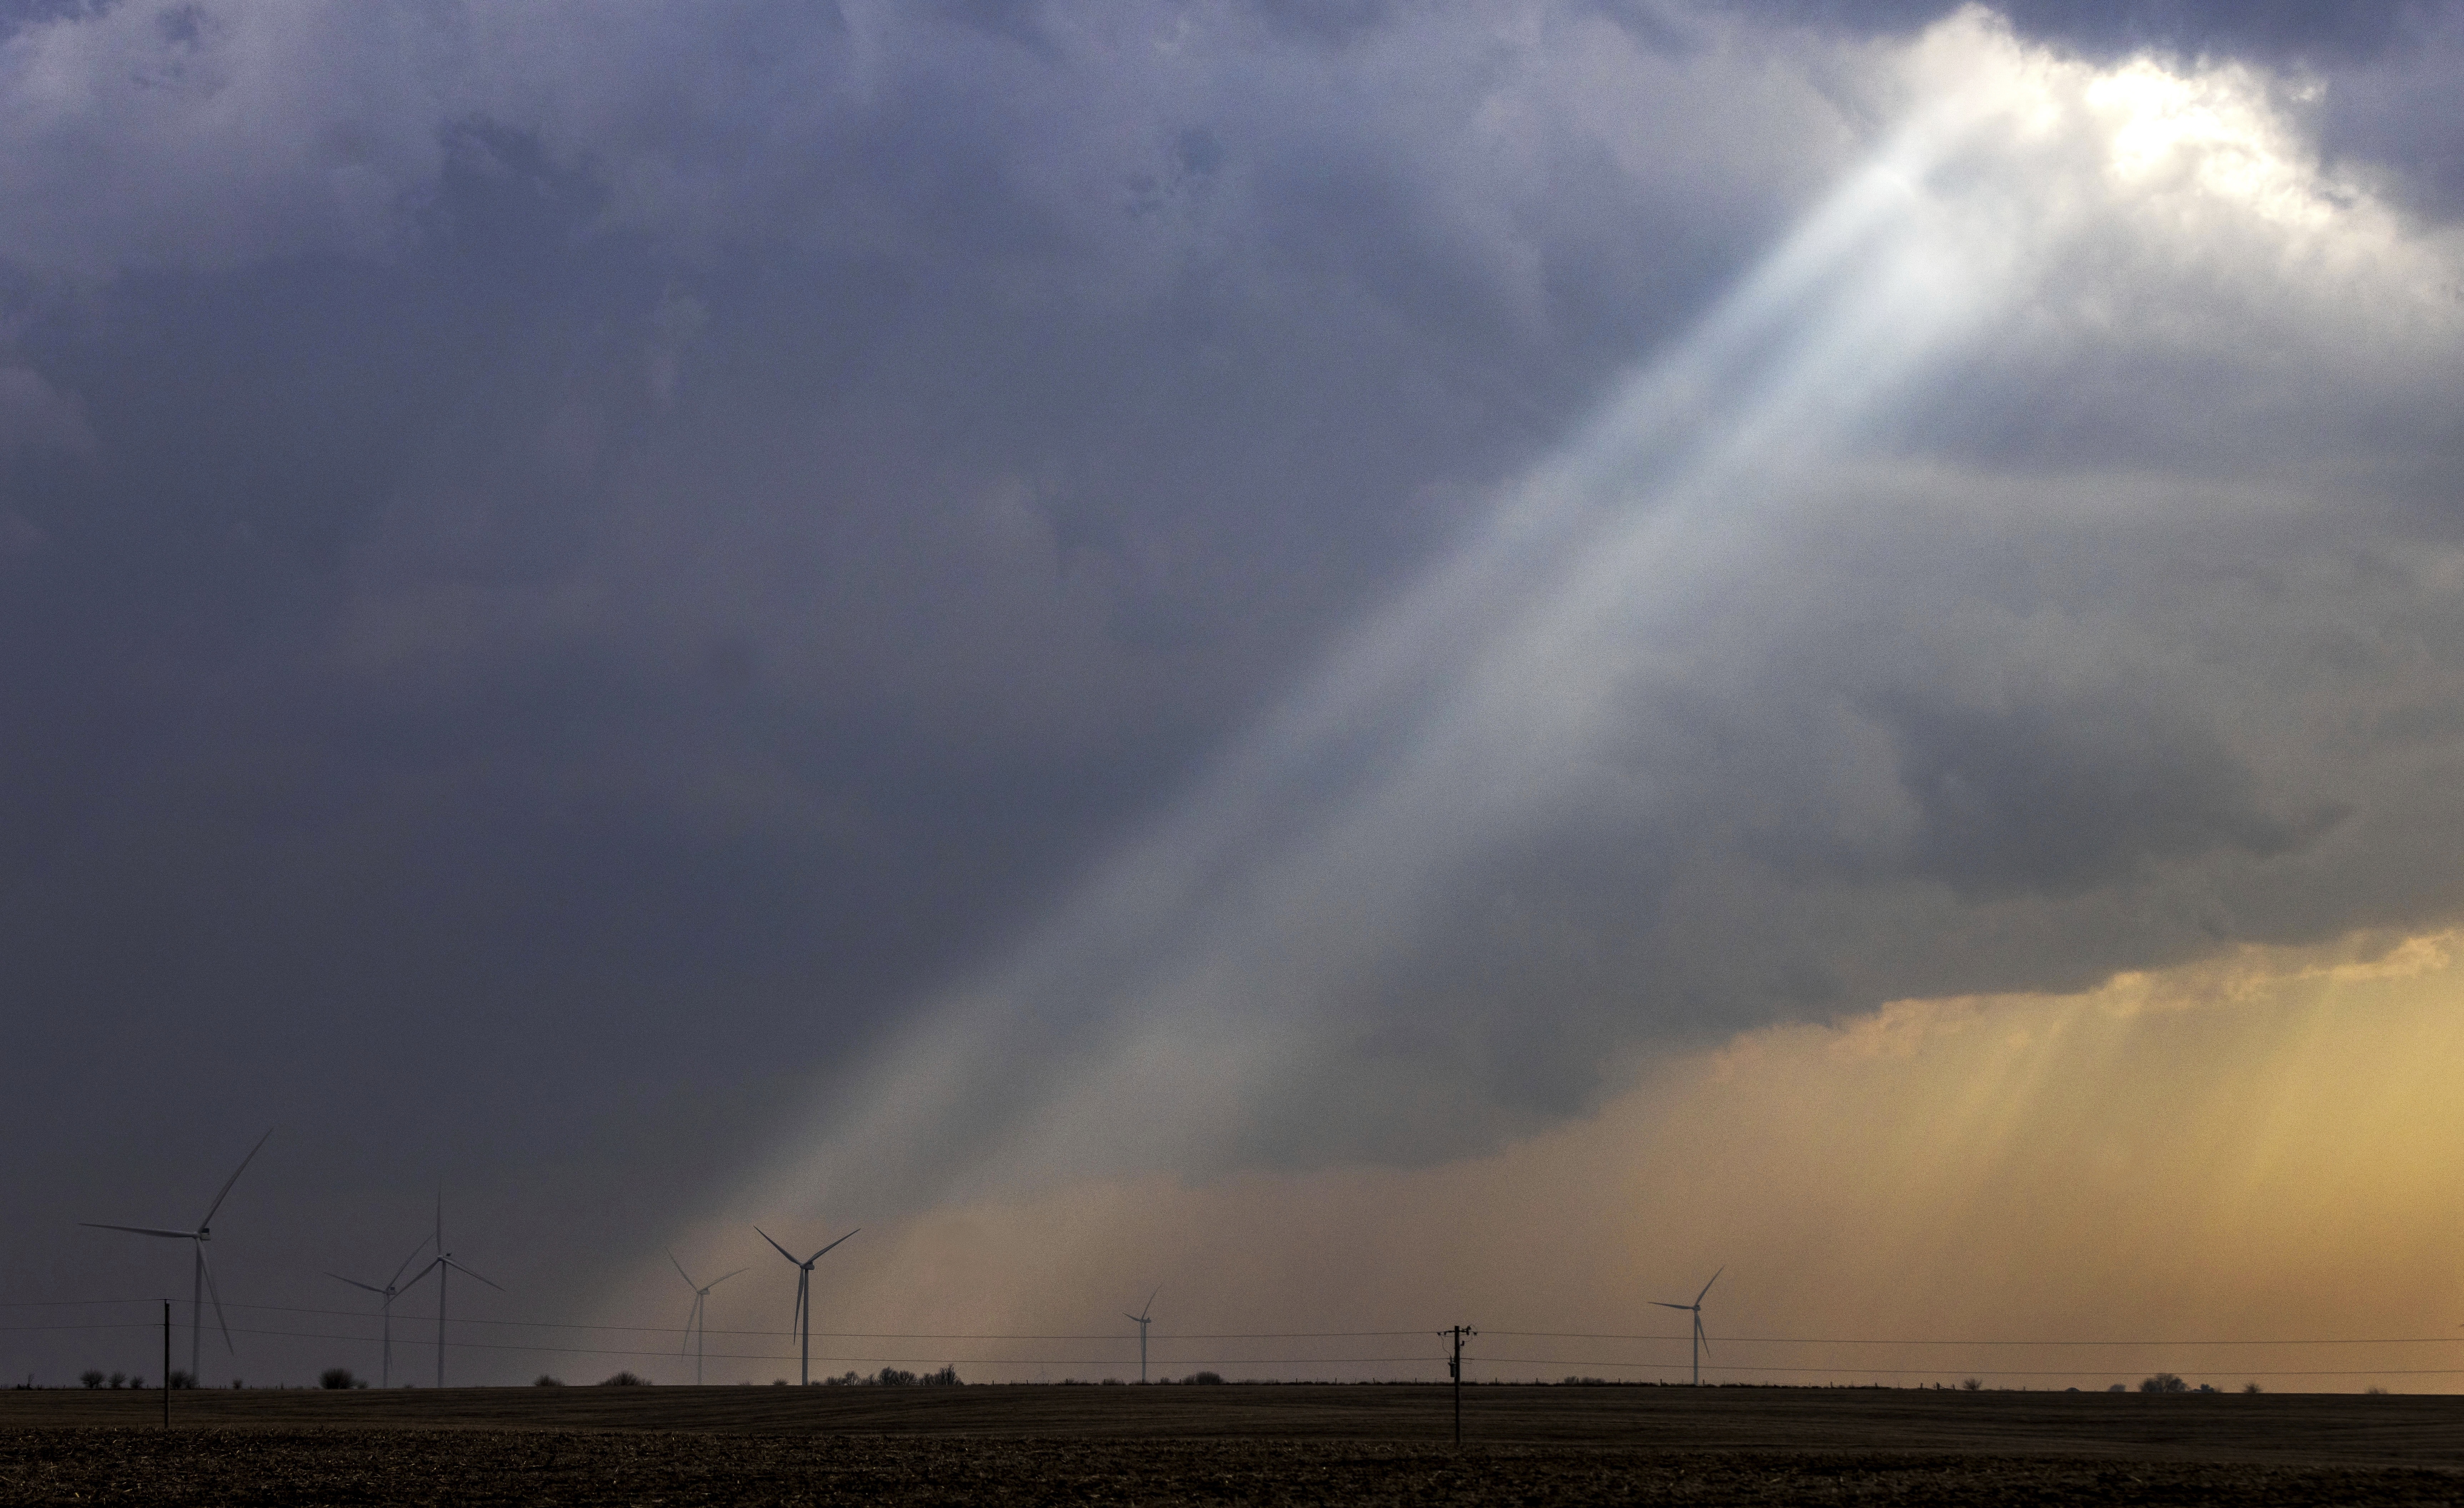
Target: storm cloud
573, 582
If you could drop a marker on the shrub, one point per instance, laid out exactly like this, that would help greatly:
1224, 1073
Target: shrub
946, 1377
2163, 1383
137, 1380
1203, 1377
2250, 1387
337, 1378
893, 1377
93, 1378
1972, 1385
119, 1378
2374, 1391
623, 1380
183, 1380
547, 1379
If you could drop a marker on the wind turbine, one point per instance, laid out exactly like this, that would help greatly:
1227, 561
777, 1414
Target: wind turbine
393, 1287
804, 1296
201, 1280
1142, 1318
1695, 1308
443, 1265
697, 1324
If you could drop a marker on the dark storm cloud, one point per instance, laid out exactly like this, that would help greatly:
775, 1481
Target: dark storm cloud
2272, 30
559, 570
555, 575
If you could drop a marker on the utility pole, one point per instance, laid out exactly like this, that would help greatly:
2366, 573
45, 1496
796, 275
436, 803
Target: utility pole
1458, 1335
166, 1364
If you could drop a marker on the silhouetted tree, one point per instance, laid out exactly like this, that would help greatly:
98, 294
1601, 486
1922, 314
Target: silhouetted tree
92, 1379
337, 1378
2163, 1383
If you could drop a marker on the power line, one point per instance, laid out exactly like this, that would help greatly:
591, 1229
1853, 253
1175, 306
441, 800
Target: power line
1824, 1340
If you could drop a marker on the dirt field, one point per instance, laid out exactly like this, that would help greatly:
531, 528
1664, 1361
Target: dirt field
1272, 1445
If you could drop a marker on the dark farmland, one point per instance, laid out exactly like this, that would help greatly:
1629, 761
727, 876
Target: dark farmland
1261, 1444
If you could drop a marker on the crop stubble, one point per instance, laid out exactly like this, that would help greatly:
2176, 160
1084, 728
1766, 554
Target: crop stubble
484, 1469
1220, 1445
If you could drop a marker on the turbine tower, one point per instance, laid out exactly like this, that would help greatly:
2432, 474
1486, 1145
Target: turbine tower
201, 1279
697, 1324
1141, 1320
1695, 1308
803, 1297
443, 1265
392, 1290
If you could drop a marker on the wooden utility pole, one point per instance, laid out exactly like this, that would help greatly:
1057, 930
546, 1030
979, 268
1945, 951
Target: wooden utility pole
166, 1364
1458, 1335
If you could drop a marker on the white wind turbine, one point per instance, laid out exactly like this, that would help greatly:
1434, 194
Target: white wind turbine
201, 1280
1141, 1320
804, 1296
1695, 1308
697, 1324
392, 1290
443, 1265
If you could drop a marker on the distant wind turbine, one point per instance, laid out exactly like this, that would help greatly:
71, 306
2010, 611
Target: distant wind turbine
1695, 1308
443, 1265
201, 1280
804, 1296
392, 1290
1142, 1318
697, 1324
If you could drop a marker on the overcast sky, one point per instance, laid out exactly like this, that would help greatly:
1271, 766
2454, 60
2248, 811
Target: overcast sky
662, 616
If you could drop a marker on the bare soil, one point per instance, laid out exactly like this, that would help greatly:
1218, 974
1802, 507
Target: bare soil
1268, 1445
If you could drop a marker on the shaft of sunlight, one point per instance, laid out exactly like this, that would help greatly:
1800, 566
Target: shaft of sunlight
1171, 1006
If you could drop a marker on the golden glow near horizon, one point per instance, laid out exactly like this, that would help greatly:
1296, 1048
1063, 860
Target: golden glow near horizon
2260, 1149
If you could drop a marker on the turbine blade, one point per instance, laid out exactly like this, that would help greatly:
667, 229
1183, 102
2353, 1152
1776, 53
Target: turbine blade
1666, 1304
396, 1278
447, 1261
354, 1282
1149, 1307
432, 1263
775, 1246
716, 1281
825, 1251
1707, 1287
680, 1270
215, 1293
225, 1192
178, 1236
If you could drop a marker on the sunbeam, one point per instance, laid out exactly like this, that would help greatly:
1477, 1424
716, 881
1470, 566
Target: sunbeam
1218, 973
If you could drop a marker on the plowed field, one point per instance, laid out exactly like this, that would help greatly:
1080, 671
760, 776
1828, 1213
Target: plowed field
1268, 1445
